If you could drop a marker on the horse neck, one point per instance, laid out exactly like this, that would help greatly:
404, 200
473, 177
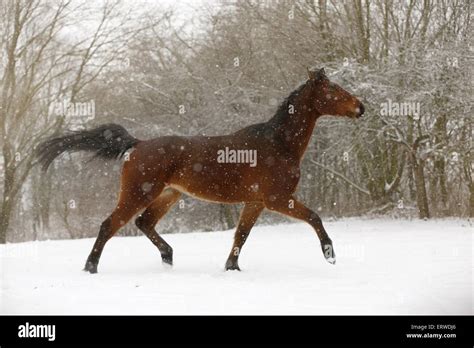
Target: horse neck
294, 130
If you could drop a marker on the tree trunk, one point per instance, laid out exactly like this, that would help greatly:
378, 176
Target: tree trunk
363, 29
8, 192
421, 197
471, 200
5, 215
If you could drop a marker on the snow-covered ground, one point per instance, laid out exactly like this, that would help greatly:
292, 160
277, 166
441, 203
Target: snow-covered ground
383, 267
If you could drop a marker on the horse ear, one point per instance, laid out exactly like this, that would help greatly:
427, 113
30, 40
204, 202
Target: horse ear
321, 74
317, 75
312, 75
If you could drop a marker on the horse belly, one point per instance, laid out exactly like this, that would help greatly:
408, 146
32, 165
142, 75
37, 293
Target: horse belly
217, 186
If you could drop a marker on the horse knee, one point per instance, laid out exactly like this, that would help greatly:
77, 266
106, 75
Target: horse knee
315, 219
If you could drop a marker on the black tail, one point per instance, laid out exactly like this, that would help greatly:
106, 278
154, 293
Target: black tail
107, 141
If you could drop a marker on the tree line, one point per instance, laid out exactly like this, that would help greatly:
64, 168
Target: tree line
221, 66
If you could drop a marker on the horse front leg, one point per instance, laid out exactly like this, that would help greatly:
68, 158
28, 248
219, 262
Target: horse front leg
248, 217
297, 210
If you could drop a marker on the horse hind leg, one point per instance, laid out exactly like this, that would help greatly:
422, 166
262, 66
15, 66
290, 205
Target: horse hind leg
149, 218
120, 216
131, 201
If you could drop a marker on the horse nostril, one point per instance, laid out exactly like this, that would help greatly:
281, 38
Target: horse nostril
361, 109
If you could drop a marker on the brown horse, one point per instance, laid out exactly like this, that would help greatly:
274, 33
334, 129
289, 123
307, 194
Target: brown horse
258, 166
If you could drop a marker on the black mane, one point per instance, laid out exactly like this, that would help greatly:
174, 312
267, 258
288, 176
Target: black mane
267, 129
282, 112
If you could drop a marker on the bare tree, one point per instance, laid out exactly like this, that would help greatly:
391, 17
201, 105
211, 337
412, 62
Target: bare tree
43, 64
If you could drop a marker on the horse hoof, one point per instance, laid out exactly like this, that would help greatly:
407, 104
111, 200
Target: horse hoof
90, 267
331, 260
328, 252
167, 260
232, 266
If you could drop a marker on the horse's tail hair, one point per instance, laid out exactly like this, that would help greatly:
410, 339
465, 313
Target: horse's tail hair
109, 141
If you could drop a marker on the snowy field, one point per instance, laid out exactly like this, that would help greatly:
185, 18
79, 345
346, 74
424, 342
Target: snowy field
383, 267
